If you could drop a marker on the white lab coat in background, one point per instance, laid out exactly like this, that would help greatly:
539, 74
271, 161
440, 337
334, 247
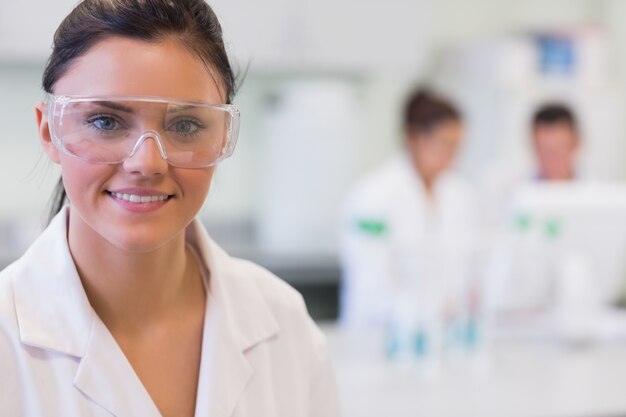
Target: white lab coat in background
526, 258
498, 186
391, 229
261, 356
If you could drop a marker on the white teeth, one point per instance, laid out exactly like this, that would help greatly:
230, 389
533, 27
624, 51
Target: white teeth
133, 198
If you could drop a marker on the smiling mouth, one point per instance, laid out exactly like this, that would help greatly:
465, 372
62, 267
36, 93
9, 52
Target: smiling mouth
141, 199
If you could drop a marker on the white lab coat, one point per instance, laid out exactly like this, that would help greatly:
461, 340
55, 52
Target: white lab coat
262, 355
390, 226
498, 185
525, 259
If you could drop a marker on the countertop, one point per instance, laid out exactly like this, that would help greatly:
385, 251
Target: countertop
511, 379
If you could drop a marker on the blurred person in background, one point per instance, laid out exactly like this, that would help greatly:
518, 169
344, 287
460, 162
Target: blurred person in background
555, 142
410, 199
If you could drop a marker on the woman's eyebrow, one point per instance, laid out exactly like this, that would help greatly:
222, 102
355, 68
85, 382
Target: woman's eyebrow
179, 107
115, 106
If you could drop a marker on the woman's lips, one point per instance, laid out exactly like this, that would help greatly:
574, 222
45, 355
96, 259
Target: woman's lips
140, 201
136, 198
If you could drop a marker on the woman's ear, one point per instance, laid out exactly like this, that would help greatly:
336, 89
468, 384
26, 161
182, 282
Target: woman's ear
44, 132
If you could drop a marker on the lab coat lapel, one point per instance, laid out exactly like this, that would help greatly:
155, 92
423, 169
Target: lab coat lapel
52, 309
242, 319
224, 370
53, 313
409, 190
107, 378
233, 372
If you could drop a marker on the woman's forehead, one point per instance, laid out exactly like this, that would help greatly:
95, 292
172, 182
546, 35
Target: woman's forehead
123, 66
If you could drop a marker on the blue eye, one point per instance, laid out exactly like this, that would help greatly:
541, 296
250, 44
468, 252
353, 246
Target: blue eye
105, 123
186, 127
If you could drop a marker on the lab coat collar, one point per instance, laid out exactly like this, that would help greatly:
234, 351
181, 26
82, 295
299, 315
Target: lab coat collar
52, 309
243, 320
236, 297
106, 377
414, 178
53, 313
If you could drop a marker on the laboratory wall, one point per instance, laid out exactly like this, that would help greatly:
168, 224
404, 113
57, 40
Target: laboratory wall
322, 88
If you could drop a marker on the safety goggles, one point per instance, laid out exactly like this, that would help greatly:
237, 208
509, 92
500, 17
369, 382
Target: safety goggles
110, 129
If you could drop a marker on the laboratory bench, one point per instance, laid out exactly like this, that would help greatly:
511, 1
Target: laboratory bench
532, 378
316, 278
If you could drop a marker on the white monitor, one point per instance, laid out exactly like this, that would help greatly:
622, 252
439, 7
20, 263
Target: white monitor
580, 219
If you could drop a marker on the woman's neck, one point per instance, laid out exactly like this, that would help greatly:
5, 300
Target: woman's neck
130, 290
426, 179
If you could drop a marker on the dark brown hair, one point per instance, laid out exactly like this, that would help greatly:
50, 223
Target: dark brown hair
553, 113
192, 22
424, 110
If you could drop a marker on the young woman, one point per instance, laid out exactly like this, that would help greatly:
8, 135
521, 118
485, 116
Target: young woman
408, 211
124, 306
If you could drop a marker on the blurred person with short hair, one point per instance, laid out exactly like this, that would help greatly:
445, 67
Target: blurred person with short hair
555, 142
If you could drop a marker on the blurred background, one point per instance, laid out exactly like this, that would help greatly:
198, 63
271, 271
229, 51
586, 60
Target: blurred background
322, 94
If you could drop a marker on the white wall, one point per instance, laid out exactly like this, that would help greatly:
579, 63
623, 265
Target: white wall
27, 175
328, 34
460, 20
27, 27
